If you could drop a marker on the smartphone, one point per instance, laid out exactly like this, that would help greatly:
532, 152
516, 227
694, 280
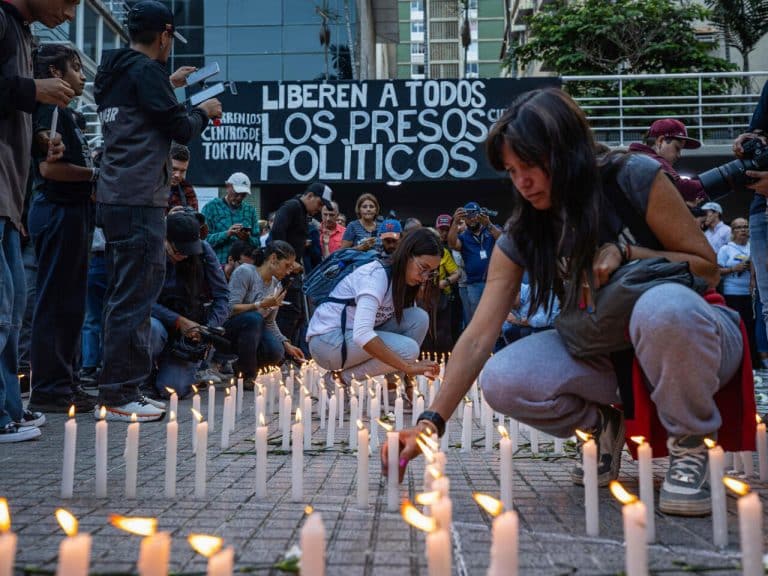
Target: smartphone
248, 230
203, 73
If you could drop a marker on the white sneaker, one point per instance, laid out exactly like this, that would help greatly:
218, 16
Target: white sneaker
11, 432
145, 412
208, 375
30, 418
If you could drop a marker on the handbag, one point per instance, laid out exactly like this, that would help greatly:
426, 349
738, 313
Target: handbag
605, 330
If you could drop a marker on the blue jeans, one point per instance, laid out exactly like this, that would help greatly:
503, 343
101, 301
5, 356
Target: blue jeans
171, 372
758, 245
94, 305
255, 346
25, 336
60, 233
135, 257
13, 298
474, 292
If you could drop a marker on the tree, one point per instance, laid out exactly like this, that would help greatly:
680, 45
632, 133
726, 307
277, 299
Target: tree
742, 23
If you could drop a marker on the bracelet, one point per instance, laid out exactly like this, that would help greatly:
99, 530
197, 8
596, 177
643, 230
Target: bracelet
434, 419
94, 174
623, 251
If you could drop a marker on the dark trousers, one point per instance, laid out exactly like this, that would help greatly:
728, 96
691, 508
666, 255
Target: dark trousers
135, 258
60, 233
743, 305
291, 316
255, 346
94, 305
25, 336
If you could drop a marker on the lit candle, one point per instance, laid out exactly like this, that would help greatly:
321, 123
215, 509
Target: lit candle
505, 468
504, 536
717, 493
313, 545
330, 433
287, 408
398, 410
101, 454
488, 415
438, 549
240, 394
297, 459
220, 562
353, 417
559, 445
232, 407
8, 541
442, 507
201, 456
261, 458
393, 466
212, 407
75, 549
70, 446
534, 437
747, 463
750, 527
362, 465
762, 449
155, 549
418, 408
196, 406
385, 396
645, 481
307, 413
323, 406
225, 419
466, 431
633, 514
446, 439
340, 398
171, 448
261, 409
131, 457
174, 400
514, 433
589, 470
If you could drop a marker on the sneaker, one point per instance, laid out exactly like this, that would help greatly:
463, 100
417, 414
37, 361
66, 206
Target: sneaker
88, 377
225, 369
610, 435
153, 399
12, 432
30, 418
82, 401
685, 491
208, 375
145, 411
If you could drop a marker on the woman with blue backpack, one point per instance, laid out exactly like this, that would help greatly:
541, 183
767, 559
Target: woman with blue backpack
366, 322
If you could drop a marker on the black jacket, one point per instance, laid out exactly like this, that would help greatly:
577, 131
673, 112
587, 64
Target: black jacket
140, 116
291, 226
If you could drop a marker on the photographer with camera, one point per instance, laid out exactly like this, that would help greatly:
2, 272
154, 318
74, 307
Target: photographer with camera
475, 245
193, 305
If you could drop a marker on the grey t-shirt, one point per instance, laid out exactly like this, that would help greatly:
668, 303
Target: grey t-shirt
634, 178
246, 286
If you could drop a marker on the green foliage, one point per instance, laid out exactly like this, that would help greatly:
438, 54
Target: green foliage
742, 22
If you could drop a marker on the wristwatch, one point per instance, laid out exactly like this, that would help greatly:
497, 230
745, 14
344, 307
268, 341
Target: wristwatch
435, 419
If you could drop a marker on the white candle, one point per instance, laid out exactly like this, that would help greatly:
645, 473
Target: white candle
442, 510
70, 446
717, 493
101, 454
514, 433
307, 415
313, 546
195, 406
534, 437
636, 560
212, 407
331, 431
375, 411
353, 417
74, 550
174, 400
323, 406
340, 398
559, 444
645, 481
8, 541
589, 468
154, 554
393, 471
362, 465
418, 408
505, 468
131, 457
762, 450
222, 563
240, 394
225, 419
439, 553
297, 459
201, 459
398, 411
287, 407
446, 439
385, 397
466, 431
488, 415
261, 412
750, 527
232, 408
504, 545
261, 458
171, 448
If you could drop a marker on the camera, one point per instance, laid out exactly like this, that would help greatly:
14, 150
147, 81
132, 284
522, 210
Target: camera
732, 176
483, 211
184, 348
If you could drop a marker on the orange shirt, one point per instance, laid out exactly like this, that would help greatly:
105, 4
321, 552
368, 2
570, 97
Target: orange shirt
330, 240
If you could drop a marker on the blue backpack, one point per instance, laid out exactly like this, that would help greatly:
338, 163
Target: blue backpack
325, 277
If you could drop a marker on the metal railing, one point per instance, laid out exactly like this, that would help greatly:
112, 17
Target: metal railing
715, 107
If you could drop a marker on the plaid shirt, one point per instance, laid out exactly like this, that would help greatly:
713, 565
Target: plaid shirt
220, 217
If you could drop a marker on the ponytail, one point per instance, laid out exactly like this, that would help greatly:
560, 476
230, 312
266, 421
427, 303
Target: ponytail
281, 248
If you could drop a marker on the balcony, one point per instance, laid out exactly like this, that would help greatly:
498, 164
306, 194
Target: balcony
521, 10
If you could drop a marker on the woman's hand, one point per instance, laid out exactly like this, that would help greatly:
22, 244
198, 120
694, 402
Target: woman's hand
607, 261
293, 351
366, 244
428, 369
408, 450
273, 301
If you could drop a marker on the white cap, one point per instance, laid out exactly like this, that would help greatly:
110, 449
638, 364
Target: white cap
714, 206
240, 183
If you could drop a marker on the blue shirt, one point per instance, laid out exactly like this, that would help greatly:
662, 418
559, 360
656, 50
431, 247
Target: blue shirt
476, 253
355, 233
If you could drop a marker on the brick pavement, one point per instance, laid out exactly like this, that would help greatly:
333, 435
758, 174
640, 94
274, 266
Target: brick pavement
360, 542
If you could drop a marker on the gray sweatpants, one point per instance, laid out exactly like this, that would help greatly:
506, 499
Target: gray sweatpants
403, 338
687, 348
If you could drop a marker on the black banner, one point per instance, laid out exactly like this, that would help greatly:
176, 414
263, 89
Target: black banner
374, 131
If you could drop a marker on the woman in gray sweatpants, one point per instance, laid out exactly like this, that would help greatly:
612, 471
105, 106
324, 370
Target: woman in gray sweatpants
577, 219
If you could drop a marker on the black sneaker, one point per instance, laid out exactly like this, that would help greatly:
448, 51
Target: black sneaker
88, 377
82, 401
610, 442
13, 433
30, 418
685, 491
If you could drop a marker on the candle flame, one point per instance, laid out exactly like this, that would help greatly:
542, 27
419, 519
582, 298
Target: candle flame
304, 389
710, 443
415, 518
5, 516
204, 544
67, 522
639, 440
261, 420
172, 416
503, 431
240, 375
210, 385
103, 413
386, 425
298, 414
490, 504
620, 493
736, 486
428, 498
136, 525
227, 391
585, 436
134, 418
426, 437
434, 471
72, 411
426, 450
758, 419
197, 415
360, 424
170, 390
194, 389
308, 509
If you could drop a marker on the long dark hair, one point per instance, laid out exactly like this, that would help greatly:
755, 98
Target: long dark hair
419, 242
547, 129
280, 248
56, 56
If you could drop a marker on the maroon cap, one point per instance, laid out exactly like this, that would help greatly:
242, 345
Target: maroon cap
671, 128
443, 221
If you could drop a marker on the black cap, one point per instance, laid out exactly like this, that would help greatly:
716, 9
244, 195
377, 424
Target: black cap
183, 231
152, 15
324, 191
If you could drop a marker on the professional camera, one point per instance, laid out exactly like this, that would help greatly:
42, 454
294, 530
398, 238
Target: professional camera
732, 176
189, 350
483, 211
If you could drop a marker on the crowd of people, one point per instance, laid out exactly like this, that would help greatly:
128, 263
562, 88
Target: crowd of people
132, 289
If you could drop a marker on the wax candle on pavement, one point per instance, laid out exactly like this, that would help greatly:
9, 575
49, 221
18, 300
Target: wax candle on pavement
362, 465
173, 400
312, 541
330, 433
635, 540
762, 448
297, 459
307, 414
750, 527
131, 457
340, 407
505, 468
70, 447
418, 408
8, 541
74, 550
353, 417
717, 494
399, 424
211, 408
323, 406
438, 546
195, 406
220, 562
261, 458
225, 416
171, 448
240, 394
466, 431
155, 549
589, 470
393, 466
201, 456
504, 536
287, 407
645, 481
101, 454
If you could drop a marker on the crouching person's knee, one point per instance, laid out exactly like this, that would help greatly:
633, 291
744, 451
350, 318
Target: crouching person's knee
498, 383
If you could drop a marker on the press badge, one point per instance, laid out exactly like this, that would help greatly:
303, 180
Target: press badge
483, 255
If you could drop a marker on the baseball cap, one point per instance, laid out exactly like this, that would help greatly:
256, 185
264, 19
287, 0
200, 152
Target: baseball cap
183, 231
390, 229
443, 221
324, 191
472, 207
714, 206
152, 15
240, 183
671, 128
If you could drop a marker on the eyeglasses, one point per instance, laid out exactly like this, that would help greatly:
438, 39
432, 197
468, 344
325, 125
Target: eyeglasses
424, 270
739, 227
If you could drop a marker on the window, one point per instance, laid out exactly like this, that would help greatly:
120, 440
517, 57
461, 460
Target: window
109, 38
91, 24
417, 6
417, 70
417, 27
417, 48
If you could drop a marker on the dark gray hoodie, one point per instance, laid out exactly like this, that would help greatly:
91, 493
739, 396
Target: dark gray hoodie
140, 116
